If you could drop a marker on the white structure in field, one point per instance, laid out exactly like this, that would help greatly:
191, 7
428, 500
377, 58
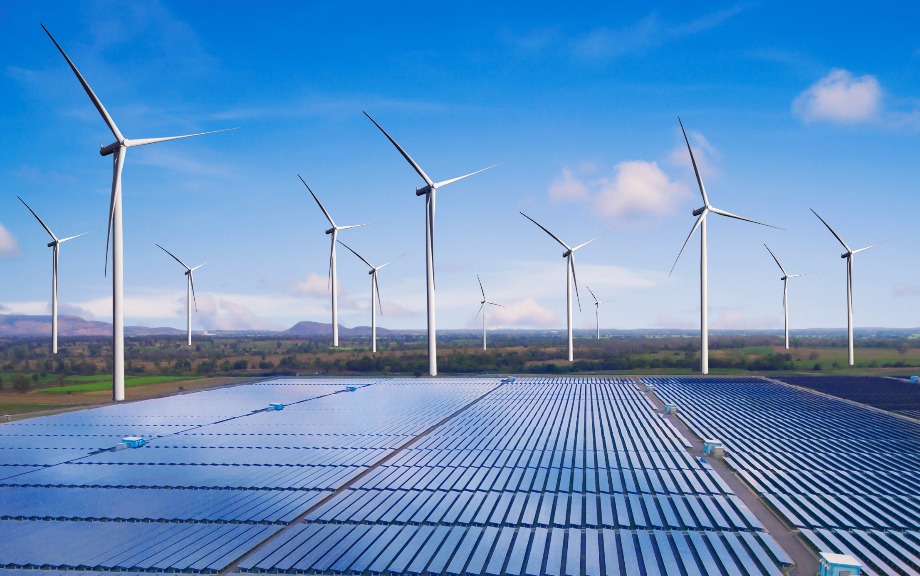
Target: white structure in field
832, 564
569, 255
597, 312
482, 308
849, 258
55, 255
333, 276
785, 279
700, 223
375, 292
117, 150
428, 191
189, 291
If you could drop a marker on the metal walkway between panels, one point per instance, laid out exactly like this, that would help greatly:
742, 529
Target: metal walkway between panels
419, 476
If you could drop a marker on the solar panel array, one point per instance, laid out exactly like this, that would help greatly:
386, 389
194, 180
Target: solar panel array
542, 476
847, 476
218, 476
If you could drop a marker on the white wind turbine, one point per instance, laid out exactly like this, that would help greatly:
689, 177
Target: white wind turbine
428, 190
333, 276
482, 306
597, 313
56, 245
849, 258
785, 279
375, 292
700, 223
189, 290
117, 149
569, 255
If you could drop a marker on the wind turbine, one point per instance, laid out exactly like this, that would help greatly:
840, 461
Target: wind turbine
56, 245
375, 292
117, 149
597, 313
189, 291
482, 306
428, 190
700, 223
569, 255
785, 279
333, 278
849, 257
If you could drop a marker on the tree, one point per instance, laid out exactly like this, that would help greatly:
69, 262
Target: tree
20, 383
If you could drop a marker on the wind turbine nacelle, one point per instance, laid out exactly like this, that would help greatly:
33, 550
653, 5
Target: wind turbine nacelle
111, 148
51, 244
845, 255
566, 253
422, 191
330, 231
699, 211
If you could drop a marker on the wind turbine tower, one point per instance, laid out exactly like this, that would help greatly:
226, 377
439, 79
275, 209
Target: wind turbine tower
55, 244
700, 223
848, 255
117, 150
375, 292
189, 290
569, 255
597, 313
333, 275
785, 279
429, 191
482, 306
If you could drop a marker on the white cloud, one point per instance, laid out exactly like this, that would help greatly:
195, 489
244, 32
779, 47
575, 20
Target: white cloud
840, 97
568, 188
394, 310
525, 313
8, 245
315, 286
734, 319
224, 314
638, 187
704, 153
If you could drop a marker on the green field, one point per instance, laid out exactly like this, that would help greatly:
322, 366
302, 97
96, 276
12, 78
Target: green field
104, 382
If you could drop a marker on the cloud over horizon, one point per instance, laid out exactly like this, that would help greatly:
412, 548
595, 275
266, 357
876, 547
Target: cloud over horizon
9, 248
840, 97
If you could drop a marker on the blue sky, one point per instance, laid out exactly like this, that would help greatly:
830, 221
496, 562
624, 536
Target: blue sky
789, 107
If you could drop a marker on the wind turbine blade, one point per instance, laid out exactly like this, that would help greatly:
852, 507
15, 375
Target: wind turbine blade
118, 161
403, 152
371, 266
329, 277
89, 91
736, 217
590, 241
355, 226
800, 275
481, 289
379, 301
572, 264
556, 238
775, 260
197, 267
391, 261
592, 294
873, 246
191, 280
145, 141
481, 306
692, 230
184, 265
452, 180
837, 236
497, 304
696, 170
320, 204
61, 241
45, 226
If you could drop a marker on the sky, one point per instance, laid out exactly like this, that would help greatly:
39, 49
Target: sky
790, 106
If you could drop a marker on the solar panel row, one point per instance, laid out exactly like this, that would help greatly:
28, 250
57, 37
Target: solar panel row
846, 475
543, 476
219, 473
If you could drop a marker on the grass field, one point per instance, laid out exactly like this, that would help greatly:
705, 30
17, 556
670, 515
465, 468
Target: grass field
104, 382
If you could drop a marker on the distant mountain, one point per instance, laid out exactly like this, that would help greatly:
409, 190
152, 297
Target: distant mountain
310, 328
19, 325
